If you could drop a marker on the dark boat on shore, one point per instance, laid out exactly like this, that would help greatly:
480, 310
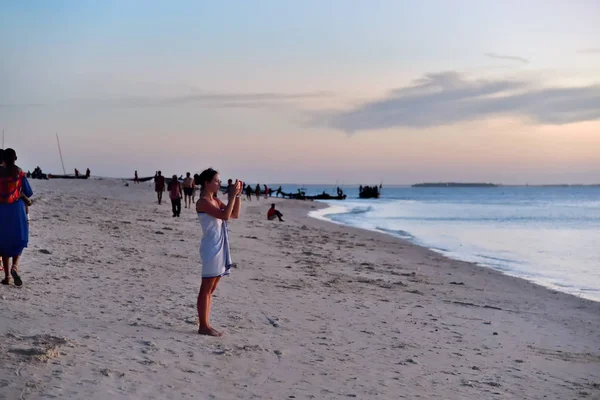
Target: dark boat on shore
454, 184
51, 176
326, 196
369, 192
144, 179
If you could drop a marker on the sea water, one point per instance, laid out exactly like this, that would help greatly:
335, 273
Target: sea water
549, 235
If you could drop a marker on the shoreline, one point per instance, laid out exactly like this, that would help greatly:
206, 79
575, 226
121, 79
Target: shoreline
313, 310
443, 254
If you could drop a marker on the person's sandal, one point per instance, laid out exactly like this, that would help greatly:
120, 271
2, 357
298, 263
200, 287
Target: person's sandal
5, 281
16, 277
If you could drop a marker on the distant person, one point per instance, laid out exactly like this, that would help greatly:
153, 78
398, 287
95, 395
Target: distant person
76, 173
273, 213
229, 186
175, 191
213, 215
257, 191
279, 192
136, 179
249, 192
88, 173
188, 189
14, 229
266, 191
159, 185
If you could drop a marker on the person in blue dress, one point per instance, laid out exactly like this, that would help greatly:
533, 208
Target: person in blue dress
14, 229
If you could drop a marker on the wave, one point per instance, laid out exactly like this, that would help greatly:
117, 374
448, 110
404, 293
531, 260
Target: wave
396, 232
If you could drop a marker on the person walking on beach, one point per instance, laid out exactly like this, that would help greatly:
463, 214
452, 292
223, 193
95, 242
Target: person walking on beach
229, 186
136, 179
175, 196
249, 192
14, 229
159, 185
257, 191
213, 215
188, 189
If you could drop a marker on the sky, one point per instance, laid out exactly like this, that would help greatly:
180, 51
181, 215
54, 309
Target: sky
319, 91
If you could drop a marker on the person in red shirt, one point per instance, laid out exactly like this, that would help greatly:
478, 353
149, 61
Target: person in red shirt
159, 185
175, 195
273, 213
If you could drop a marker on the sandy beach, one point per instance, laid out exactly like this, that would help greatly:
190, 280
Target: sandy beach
312, 310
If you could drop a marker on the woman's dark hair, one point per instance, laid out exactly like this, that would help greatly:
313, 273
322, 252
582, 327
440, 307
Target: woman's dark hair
9, 157
206, 176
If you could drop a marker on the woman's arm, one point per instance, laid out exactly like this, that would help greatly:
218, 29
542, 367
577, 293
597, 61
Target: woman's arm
235, 213
211, 209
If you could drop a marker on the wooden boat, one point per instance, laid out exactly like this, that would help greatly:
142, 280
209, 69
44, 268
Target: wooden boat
144, 179
369, 192
51, 176
326, 196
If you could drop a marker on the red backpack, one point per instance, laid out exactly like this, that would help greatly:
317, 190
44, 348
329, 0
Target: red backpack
10, 188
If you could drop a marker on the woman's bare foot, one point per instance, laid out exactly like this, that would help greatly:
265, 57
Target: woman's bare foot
207, 330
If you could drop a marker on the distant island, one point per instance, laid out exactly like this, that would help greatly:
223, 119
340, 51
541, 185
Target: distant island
454, 184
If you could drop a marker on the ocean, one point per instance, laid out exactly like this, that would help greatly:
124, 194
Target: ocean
549, 235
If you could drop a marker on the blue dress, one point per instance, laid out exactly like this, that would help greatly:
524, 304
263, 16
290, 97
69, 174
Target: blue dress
14, 229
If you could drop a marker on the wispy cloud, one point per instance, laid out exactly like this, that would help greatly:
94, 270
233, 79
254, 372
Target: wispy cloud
209, 100
446, 98
203, 100
20, 105
506, 57
590, 51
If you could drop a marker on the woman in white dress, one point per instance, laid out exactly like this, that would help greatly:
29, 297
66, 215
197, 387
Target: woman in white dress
213, 215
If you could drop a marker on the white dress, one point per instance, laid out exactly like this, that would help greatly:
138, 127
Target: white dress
214, 247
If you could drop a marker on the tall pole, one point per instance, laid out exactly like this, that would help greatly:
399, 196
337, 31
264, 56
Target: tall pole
60, 153
2, 138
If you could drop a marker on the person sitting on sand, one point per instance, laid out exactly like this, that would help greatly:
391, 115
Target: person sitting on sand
273, 213
188, 189
159, 185
175, 195
213, 215
14, 229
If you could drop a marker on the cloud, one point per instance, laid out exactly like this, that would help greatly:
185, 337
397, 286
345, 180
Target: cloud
505, 57
447, 98
20, 105
590, 51
203, 100
209, 100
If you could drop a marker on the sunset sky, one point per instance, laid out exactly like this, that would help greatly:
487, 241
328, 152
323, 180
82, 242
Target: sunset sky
306, 91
